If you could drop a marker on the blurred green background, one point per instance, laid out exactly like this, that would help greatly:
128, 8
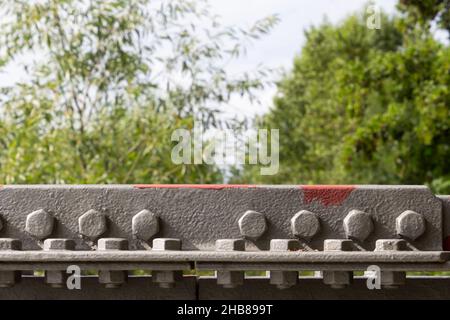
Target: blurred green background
103, 94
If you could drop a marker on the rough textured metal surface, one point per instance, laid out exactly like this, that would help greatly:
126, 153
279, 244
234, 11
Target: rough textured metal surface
199, 215
314, 289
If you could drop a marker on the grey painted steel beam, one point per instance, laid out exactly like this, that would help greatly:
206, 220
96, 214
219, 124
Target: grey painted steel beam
228, 229
199, 215
436, 288
136, 288
206, 288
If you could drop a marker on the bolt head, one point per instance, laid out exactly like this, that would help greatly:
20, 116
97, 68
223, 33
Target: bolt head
230, 245
305, 224
284, 245
166, 244
112, 244
92, 224
358, 225
10, 244
252, 224
39, 224
410, 225
59, 244
144, 225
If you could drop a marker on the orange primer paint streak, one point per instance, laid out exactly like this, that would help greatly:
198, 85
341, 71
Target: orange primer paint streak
328, 195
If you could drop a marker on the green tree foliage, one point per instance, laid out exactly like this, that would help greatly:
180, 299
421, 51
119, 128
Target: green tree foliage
106, 84
365, 106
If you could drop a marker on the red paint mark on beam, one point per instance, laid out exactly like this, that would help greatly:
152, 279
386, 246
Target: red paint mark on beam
327, 194
194, 186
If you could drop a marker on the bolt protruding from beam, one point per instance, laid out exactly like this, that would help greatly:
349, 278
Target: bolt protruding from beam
9, 278
92, 224
391, 279
166, 278
410, 225
252, 224
284, 279
112, 279
230, 279
337, 279
145, 225
305, 225
57, 278
358, 225
39, 224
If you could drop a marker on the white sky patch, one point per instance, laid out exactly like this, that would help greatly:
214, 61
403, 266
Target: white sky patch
285, 41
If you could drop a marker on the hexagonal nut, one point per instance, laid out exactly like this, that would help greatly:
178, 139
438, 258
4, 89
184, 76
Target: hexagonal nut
358, 225
410, 225
145, 225
112, 279
59, 244
55, 278
338, 245
305, 224
284, 279
166, 244
337, 279
92, 224
392, 279
230, 245
252, 224
166, 279
284, 245
390, 245
230, 279
10, 244
112, 244
39, 224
